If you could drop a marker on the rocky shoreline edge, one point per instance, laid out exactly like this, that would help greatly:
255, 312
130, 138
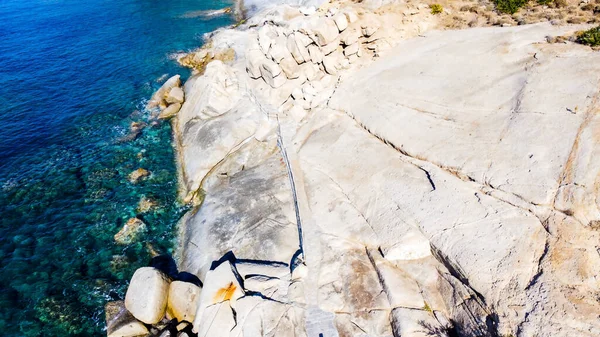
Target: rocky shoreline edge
251, 259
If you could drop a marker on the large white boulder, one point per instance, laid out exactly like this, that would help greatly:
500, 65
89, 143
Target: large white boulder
146, 296
159, 95
323, 31
175, 95
183, 300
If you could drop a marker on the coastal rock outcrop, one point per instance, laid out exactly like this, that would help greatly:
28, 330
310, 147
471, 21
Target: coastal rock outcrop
347, 180
168, 98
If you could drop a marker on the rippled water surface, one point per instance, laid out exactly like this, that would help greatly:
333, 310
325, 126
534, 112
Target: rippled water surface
73, 76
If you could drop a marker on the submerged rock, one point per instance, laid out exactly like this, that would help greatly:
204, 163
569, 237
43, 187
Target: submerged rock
146, 204
135, 129
146, 296
130, 231
137, 175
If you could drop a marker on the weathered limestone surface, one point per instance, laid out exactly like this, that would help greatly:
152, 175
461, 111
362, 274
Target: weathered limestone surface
445, 186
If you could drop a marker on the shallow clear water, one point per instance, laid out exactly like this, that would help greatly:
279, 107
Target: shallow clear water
73, 76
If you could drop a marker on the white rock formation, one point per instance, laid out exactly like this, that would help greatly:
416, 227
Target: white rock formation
447, 188
146, 296
175, 95
170, 111
183, 300
159, 95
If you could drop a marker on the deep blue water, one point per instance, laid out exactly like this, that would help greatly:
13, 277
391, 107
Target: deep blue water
73, 77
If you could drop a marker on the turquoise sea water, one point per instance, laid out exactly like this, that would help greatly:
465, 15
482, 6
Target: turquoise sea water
73, 77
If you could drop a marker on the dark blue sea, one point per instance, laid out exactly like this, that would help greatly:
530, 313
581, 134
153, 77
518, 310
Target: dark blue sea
73, 78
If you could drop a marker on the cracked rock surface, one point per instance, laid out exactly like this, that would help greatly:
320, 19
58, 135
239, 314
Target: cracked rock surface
366, 183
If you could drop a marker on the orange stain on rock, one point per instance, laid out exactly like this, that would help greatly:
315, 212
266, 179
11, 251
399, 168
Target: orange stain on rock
225, 294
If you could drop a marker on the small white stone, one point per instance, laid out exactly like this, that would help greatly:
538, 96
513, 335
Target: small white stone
351, 16
290, 67
369, 27
279, 49
308, 90
254, 59
331, 47
351, 49
270, 73
297, 113
341, 22
170, 111
310, 71
308, 10
266, 35
316, 55
330, 63
345, 64
350, 36
297, 94
183, 300
296, 47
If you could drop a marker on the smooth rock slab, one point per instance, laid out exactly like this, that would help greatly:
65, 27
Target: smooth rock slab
146, 296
